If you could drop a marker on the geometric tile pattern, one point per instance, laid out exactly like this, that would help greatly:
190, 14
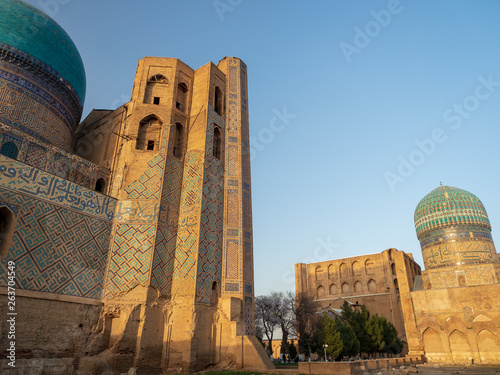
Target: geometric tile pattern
447, 206
46, 122
58, 162
247, 206
249, 315
163, 260
233, 84
44, 186
453, 229
232, 117
62, 165
188, 231
231, 287
56, 249
233, 211
36, 156
211, 229
148, 185
164, 253
238, 265
232, 259
130, 257
247, 262
233, 160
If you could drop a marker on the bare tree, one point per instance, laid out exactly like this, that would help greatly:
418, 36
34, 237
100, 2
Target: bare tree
286, 317
266, 318
305, 310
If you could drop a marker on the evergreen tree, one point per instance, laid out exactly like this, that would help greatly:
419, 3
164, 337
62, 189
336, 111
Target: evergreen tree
383, 335
375, 331
328, 334
357, 320
348, 337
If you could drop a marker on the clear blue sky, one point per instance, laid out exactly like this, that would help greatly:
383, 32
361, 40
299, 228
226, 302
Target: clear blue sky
423, 71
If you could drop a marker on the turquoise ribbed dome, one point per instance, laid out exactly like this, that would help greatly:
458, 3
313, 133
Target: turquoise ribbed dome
31, 31
448, 206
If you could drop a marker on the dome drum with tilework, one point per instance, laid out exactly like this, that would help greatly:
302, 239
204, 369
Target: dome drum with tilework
453, 229
42, 78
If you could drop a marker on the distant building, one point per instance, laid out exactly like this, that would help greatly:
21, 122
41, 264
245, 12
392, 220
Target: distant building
369, 280
455, 316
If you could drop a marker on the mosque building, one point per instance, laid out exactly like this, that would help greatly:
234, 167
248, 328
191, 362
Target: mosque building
454, 317
449, 313
126, 240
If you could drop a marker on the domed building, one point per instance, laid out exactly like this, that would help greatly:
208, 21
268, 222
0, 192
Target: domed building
452, 315
454, 231
139, 213
43, 78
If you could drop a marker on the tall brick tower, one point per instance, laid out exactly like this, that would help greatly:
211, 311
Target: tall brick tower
179, 287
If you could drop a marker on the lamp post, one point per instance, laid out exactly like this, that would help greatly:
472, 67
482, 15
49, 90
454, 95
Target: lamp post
325, 346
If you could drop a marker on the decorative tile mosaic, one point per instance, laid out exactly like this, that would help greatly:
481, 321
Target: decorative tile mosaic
211, 230
233, 210
249, 316
232, 259
231, 287
188, 231
56, 249
148, 185
130, 261
41, 185
233, 161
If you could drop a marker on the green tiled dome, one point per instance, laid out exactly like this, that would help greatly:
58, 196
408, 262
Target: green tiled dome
447, 206
31, 31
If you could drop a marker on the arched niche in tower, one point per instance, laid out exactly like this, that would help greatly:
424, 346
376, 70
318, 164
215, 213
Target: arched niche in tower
156, 89
148, 134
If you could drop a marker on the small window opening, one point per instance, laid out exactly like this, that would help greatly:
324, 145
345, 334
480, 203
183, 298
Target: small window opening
156, 100
215, 294
178, 105
151, 145
217, 145
100, 184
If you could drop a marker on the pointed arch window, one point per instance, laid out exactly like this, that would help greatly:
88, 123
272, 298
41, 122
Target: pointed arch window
100, 185
159, 78
148, 136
